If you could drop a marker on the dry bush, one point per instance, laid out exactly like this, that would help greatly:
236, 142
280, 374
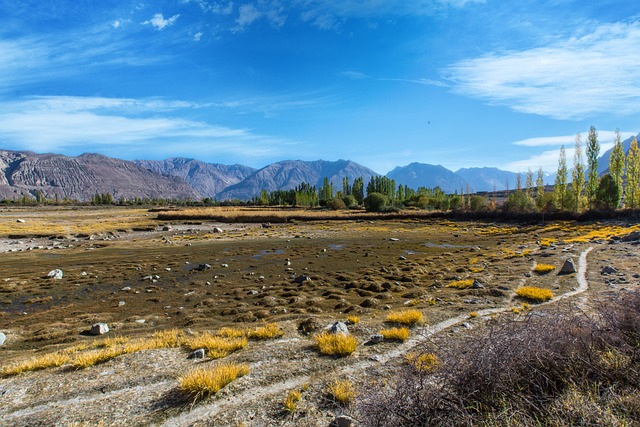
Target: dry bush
202, 382
50, 360
405, 317
336, 344
543, 268
534, 294
353, 320
94, 357
461, 284
560, 367
290, 402
268, 331
395, 334
341, 391
217, 347
425, 362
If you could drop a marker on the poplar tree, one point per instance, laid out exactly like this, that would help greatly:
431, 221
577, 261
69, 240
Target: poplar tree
633, 175
593, 150
577, 176
616, 161
529, 183
560, 186
539, 188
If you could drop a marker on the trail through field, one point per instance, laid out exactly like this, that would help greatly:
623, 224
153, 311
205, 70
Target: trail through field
253, 395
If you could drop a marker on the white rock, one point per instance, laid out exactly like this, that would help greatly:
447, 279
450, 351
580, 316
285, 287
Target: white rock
99, 329
3, 338
21, 221
55, 274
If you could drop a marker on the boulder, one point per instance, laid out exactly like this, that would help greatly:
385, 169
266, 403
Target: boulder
567, 268
55, 274
339, 328
20, 221
202, 267
631, 237
376, 338
477, 285
607, 269
197, 354
302, 279
3, 338
342, 421
217, 230
99, 329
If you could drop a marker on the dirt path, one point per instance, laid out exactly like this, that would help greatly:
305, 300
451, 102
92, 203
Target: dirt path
252, 395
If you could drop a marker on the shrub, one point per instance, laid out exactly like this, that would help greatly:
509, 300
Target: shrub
202, 382
217, 347
544, 268
90, 358
395, 334
336, 344
290, 402
45, 361
425, 362
350, 201
461, 284
336, 204
268, 331
534, 294
405, 317
375, 202
353, 320
341, 391
473, 314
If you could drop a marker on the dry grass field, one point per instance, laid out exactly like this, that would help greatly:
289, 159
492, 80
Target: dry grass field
258, 299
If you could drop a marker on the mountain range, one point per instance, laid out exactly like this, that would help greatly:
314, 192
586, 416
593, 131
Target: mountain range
24, 173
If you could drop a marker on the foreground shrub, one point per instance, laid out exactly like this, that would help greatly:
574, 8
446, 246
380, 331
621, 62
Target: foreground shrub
50, 360
534, 294
461, 284
290, 402
216, 347
405, 317
336, 344
202, 382
268, 331
560, 367
341, 391
395, 334
544, 268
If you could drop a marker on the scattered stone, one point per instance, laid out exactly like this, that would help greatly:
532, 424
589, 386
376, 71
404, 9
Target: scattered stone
3, 338
224, 265
167, 228
477, 285
376, 338
21, 221
342, 421
202, 267
126, 289
631, 237
393, 239
55, 274
266, 225
402, 258
99, 329
287, 263
567, 268
217, 230
302, 279
141, 321
608, 270
369, 302
308, 326
121, 303
197, 354
466, 325
339, 328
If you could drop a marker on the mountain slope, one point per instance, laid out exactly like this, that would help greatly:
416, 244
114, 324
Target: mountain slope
288, 174
489, 179
83, 176
430, 176
208, 179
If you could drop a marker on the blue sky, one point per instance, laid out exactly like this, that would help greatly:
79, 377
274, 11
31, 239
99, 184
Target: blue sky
461, 83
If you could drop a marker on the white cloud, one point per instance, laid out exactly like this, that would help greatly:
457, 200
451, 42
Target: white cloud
250, 13
159, 23
197, 36
116, 23
570, 79
247, 14
77, 124
569, 140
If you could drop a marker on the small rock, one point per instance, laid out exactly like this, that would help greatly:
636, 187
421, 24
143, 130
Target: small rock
224, 265
376, 338
126, 289
141, 321
339, 328
3, 338
217, 230
21, 221
167, 228
302, 279
99, 329
343, 421
477, 285
55, 274
197, 354
608, 270
121, 303
202, 267
393, 239
402, 258
567, 268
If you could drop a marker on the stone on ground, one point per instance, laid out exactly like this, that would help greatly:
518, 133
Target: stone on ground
568, 267
339, 328
55, 274
99, 329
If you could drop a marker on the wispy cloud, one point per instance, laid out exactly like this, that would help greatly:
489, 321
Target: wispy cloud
249, 13
74, 124
159, 23
548, 159
356, 75
569, 140
569, 79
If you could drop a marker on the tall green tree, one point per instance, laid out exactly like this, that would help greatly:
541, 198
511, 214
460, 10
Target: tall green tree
539, 188
633, 175
578, 176
616, 161
560, 186
593, 151
529, 183
608, 194
357, 190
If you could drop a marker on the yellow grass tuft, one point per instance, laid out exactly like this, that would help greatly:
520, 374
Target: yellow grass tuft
544, 268
534, 294
268, 331
169, 338
405, 317
515, 310
395, 334
426, 362
290, 402
461, 284
231, 332
202, 382
342, 391
336, 344
217, 347
50, 360
94, 357
353, 320
473, 314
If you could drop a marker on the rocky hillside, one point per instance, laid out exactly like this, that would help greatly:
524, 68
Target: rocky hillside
291, 173
430, 176
83, 176
208, 179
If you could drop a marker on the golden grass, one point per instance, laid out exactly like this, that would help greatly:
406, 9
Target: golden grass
217, 347
290, 402
50, 360
341, 391
94, 357
461, 284
205, 381
395, 334
227, 332
336, 344
473, 314
353, 320
405, 317
534, 294
544, 268
265, 332
426, 362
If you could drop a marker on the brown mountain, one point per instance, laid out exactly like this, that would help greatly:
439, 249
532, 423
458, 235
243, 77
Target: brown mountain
83, 176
